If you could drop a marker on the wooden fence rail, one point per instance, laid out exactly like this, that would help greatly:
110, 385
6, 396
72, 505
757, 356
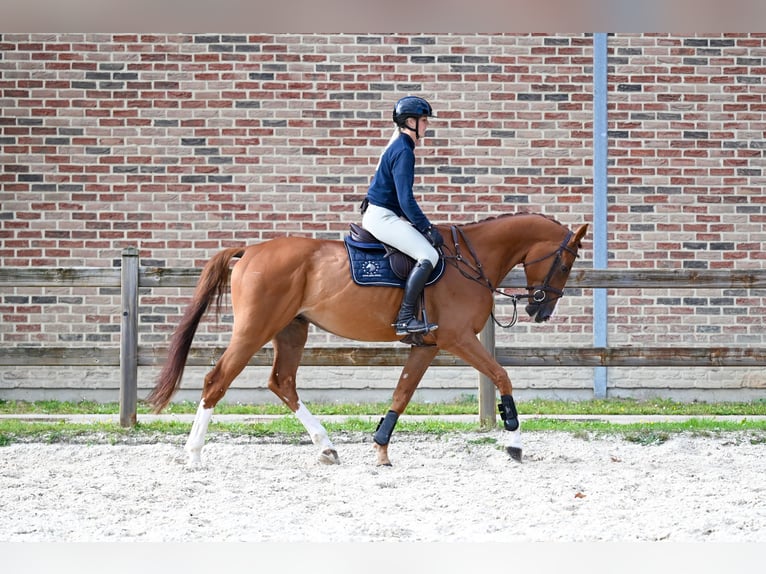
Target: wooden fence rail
391, 357
130, 355
583, 278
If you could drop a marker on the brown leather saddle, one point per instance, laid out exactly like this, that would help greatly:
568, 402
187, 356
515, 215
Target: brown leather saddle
401, 264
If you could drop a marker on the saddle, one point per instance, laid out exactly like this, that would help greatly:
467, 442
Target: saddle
376, 263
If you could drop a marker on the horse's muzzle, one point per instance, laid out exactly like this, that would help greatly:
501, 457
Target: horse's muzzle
539, 312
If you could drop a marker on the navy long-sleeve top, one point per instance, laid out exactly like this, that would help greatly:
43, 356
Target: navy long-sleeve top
391, 186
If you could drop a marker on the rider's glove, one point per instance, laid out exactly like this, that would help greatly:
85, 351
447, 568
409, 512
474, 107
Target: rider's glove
434, 237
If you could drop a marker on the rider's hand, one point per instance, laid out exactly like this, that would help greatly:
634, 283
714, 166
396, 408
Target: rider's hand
434, 237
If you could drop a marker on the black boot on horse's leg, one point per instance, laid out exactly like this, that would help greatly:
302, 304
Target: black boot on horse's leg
510, 416
406, 323
382, 436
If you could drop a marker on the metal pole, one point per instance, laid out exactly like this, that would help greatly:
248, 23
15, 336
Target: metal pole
600, 191
129, 338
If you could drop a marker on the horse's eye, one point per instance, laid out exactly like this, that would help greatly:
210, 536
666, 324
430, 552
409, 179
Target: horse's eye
564, 269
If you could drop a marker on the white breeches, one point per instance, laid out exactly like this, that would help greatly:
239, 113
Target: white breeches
397, 232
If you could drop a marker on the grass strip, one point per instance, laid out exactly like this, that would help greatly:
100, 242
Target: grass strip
465, 405
289, 430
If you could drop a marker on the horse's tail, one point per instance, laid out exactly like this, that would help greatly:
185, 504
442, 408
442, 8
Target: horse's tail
213, 283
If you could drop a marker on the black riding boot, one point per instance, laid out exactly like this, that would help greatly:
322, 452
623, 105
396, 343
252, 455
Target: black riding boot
406, 322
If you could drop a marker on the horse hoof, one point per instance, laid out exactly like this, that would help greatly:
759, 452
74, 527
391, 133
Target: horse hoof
382, 455
514, 452
329, 456
195, 458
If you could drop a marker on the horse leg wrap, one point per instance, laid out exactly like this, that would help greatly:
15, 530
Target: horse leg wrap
385, 428
508, 413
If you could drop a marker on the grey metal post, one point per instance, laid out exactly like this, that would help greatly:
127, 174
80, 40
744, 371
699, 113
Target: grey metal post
129, 338
600, 191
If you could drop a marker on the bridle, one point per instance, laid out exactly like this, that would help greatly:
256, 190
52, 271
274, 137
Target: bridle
535, 294
540, 292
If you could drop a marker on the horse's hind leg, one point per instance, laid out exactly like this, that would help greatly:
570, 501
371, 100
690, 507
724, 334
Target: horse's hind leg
288, 349
196, 439
416, 366
217, 382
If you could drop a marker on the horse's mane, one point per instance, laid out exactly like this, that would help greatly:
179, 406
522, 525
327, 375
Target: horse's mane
503, 215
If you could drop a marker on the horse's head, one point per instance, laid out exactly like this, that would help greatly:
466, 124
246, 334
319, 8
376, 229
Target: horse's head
547, 270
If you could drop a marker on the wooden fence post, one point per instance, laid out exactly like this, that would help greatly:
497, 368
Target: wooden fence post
129, 338
487, 397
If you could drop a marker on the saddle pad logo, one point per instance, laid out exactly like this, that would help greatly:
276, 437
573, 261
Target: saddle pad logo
370, 269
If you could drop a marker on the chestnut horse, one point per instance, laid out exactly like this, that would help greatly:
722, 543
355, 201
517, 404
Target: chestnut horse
280, 286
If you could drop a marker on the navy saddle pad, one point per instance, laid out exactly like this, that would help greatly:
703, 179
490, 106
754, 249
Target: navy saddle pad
370, 261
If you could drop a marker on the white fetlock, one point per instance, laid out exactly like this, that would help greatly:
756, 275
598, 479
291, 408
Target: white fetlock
511, 440
196, 439
318, 434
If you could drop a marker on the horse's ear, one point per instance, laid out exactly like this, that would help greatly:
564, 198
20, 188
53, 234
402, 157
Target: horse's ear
579, 234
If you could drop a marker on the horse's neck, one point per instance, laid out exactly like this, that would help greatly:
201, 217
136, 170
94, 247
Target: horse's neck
502, 243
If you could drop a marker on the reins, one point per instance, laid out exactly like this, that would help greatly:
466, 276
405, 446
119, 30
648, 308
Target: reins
476, 273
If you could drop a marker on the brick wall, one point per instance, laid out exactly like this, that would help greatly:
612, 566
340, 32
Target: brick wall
687, 138
183, 144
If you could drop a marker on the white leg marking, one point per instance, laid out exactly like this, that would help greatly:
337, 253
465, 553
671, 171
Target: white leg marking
315, 429
512, 438
196, 439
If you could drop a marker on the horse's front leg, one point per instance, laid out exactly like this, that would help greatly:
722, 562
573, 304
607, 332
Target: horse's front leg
473, 352
416, 366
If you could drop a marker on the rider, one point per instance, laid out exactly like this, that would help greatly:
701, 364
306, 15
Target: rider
393, 216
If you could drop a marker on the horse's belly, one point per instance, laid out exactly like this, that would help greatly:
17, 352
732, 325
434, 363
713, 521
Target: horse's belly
361, 314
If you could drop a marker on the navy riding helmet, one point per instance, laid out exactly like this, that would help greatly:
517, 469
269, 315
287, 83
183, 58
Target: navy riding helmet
411, 107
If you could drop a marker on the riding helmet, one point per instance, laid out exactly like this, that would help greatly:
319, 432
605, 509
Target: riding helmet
411, 107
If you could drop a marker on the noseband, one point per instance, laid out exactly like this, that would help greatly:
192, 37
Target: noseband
536, 293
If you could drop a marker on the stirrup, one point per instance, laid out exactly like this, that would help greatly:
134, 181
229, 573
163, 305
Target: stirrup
413, 326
